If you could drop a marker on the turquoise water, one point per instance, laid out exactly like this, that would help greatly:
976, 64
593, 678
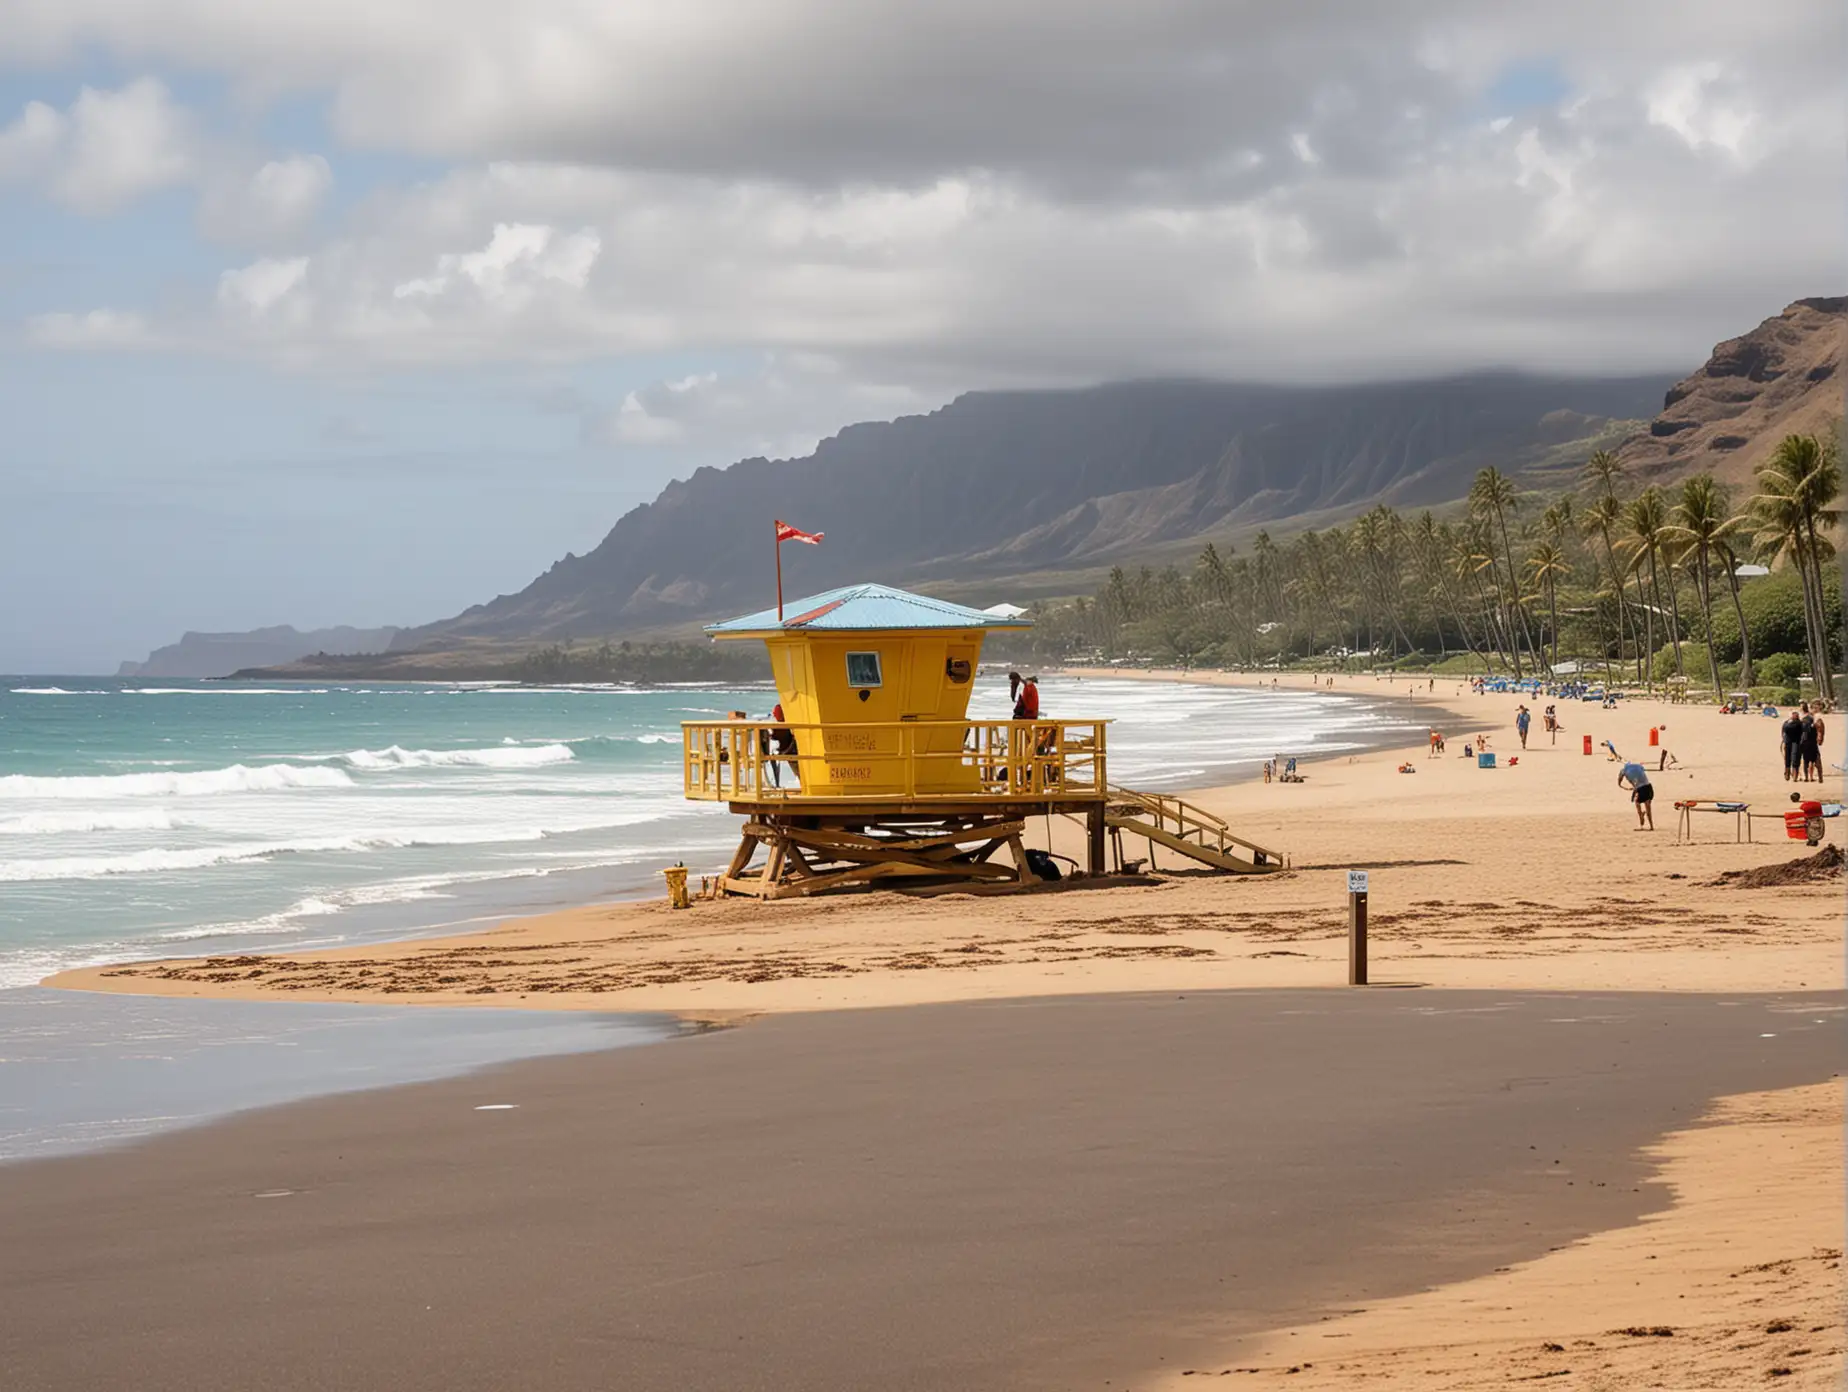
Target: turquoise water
142, 819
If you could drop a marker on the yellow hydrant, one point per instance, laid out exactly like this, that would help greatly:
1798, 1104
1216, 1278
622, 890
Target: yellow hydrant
676, 886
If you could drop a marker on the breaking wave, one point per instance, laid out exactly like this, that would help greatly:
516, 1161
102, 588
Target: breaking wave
239, 778
77, 823
505, 757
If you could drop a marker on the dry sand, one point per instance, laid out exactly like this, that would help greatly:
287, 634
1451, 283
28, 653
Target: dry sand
1530, 876
1739, 1284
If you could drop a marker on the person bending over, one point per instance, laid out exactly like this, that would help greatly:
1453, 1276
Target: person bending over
1642, 793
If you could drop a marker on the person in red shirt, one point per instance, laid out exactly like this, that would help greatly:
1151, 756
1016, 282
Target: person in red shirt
1025, 691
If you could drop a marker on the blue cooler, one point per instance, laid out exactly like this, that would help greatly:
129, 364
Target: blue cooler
1485, 760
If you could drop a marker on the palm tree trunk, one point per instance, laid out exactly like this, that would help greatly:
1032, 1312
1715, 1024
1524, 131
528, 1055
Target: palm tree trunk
1514, 589
1815, 625
1825, 675
1745, 638
1674, 617
1703, 587
1552, 604
1649, 618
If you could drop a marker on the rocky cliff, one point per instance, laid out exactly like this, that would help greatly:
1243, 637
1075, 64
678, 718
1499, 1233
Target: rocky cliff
1784, 377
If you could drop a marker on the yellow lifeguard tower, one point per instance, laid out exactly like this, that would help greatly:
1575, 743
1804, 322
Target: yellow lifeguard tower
876, 772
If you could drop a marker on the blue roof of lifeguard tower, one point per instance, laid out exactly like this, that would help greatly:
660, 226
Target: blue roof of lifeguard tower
860, 608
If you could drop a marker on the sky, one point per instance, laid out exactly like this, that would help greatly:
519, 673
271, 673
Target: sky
365, 311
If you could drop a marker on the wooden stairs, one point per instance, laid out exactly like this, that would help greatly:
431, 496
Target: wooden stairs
1188, 830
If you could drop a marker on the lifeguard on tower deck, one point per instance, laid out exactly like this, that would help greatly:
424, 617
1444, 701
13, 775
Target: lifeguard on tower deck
874, 770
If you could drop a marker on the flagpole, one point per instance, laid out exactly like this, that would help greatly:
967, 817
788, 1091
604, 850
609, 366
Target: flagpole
779, 570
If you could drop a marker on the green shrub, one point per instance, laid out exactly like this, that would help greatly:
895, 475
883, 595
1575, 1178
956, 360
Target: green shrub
1693, 663
1775, 696
1780, 669
1773, 607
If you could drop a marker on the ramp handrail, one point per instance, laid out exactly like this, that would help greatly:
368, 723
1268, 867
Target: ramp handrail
1189, 819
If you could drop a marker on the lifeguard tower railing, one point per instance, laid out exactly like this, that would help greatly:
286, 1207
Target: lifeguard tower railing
917, 763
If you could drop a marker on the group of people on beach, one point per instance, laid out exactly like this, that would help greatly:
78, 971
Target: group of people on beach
1801, 737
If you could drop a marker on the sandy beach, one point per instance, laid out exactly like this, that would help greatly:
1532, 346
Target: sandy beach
1524, 877
1525, 880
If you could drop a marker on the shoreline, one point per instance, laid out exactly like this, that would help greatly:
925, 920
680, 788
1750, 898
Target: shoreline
645, 889
1525, 876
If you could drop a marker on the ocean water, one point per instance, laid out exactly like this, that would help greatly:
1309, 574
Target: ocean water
144, 819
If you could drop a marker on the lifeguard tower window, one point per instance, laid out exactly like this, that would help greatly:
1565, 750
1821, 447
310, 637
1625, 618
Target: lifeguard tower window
863, 669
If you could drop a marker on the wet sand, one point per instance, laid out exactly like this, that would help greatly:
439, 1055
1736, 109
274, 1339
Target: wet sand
1039, 1194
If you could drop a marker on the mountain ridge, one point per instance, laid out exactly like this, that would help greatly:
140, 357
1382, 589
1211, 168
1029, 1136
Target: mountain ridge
1000, 481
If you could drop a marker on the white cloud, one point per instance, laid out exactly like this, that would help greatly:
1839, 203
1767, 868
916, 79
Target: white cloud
1693, 103
1313, 190
30, 144
116, 146
260, 287
271, 202
99, 328
517, 258
781, 406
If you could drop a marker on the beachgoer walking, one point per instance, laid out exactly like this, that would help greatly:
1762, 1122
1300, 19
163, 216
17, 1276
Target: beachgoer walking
1642, 793
1522, 719
1792, 732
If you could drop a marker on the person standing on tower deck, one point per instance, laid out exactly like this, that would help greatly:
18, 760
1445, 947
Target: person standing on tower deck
1025, 694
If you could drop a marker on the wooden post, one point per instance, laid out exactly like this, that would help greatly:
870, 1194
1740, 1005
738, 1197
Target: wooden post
1357, 927
1094, 838
779, 571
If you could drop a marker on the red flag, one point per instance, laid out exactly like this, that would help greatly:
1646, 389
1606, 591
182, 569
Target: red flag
785, 532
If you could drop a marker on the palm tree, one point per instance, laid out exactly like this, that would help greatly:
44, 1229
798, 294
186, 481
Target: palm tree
1493, 495
1798, 486
1548, 565
1700, 520
1603, 471
1646, 518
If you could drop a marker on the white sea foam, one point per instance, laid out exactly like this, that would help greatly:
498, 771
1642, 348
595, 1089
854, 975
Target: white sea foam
237, 778
53, 691
164, 859
77, 823
501, 757
224, 691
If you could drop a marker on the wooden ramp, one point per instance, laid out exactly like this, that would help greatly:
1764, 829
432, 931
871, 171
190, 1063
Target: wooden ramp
1188, 830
